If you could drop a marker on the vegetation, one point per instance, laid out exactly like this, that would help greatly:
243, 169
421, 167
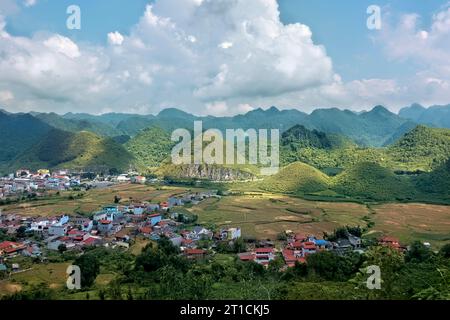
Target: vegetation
160, 272
150, 147
83, 150
296, 178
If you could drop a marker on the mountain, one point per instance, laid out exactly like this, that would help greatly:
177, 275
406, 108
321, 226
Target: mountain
77, 125
373, 128
19, 132
371, 181
296, 178
436, 116
370, 128
413, 112
150, 146
79, 151
423, 148
437, 182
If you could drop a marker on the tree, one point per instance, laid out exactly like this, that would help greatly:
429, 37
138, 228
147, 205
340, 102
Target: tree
418, 252
445, 251
239, 245
21, 232
330, 266
62, 248
90, 267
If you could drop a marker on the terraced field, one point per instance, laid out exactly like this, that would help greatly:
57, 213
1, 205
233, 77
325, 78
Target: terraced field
265, 215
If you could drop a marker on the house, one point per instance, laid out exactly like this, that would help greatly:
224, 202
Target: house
153, 207
104, 226
154, 219
176, 240
92, 241
230, 234
138, 180
175, 202
308, 248
354, 241
137, 209
390, 242
194, 253
146, 231
291, 257
9, 248
123, 178
247, 256
164, 206
200, 233
57, 230
264, 255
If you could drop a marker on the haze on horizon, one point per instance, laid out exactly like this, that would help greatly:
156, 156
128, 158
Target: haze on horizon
222, 58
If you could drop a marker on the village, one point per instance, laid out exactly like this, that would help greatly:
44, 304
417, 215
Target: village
118, 226
25, 183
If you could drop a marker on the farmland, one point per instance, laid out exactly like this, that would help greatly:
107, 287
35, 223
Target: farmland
264, 215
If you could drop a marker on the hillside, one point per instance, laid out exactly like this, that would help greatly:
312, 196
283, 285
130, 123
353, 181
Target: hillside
437, 182
422, 148
19, 132
371, 181
372, 128
296, 178
150, 147
77, 125
436, 116
83, 150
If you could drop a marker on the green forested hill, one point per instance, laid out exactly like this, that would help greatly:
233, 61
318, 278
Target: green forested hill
296, 178
368, 180
150, 147
83, 150
437, 182
19, 132
422, 148
77, 125
436, 116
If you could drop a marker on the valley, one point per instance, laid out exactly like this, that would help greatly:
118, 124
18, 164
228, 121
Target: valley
264, 215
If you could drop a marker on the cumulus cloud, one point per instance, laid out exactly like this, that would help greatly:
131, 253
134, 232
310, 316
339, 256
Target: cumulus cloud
30, 3
171, 58
115, 38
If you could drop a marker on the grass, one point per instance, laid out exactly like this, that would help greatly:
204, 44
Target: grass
265, 215
92, 200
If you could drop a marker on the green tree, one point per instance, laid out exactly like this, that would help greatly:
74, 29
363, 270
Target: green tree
418, 252
445, 251
62, 248
90, 267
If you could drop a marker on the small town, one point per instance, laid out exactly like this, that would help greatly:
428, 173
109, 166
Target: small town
118, 226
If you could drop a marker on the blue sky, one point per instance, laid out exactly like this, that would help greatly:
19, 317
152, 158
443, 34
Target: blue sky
356, 53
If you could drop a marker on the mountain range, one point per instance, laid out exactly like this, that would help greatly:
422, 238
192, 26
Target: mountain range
330, 140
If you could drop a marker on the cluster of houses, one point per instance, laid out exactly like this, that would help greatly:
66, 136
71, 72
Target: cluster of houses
37, 182
112, 226
26, 181
297, 247
117, 225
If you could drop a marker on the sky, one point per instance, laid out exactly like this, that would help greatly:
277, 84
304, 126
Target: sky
222, 57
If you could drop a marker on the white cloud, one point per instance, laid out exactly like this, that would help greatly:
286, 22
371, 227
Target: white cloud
115, 38
63, 45
6, 96
225, 45
30, 3
171, 58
